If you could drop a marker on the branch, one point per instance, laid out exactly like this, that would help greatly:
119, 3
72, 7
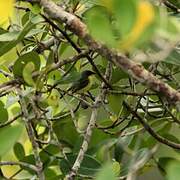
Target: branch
23, 164
151, 131
135, 70
10, 121
31, 135
171, 6
78, 50
140, 163
87, 136
9, 84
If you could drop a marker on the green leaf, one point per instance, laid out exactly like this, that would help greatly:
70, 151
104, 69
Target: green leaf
25, 59
53, 98
50, 174
34, 32
7, 46
3, 113
54, 76
47, 157
103, 152
164, 128
118, 152
125, 15
52, 149
106, 173
9, 135
11, 44
35, 8
116, 168
117, 75
98, 139
3, 79
19, 151
50, 58
58, 177
171, 137
25, 18
173, 171
173, 58
143, 25
99, 25
115, 102
65, 130
9, 36
27, 73
63, 48
30, 160
170, 29
164, 161
89, 166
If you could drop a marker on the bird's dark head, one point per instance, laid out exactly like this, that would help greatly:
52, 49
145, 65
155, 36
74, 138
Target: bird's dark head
87, 73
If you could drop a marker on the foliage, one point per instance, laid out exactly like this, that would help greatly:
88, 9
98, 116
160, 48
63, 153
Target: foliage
40, 59
173, 170
6, 9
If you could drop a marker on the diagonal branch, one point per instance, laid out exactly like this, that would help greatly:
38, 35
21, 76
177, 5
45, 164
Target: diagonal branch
135, 70
171, 6
77, 50
151, 131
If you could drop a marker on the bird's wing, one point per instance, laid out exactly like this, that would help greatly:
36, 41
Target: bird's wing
80, 84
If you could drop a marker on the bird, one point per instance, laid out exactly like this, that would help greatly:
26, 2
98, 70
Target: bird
83, 84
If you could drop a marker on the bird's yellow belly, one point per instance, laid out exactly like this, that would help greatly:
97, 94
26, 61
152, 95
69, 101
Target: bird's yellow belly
88, 87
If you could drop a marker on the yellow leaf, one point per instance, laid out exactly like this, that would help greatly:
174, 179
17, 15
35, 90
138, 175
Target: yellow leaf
113, 118
145, 16
6, 10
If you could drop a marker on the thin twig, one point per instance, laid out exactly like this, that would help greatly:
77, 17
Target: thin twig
26, 165
10, 121
151, 131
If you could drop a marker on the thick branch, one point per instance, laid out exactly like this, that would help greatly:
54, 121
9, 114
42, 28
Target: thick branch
135, 70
